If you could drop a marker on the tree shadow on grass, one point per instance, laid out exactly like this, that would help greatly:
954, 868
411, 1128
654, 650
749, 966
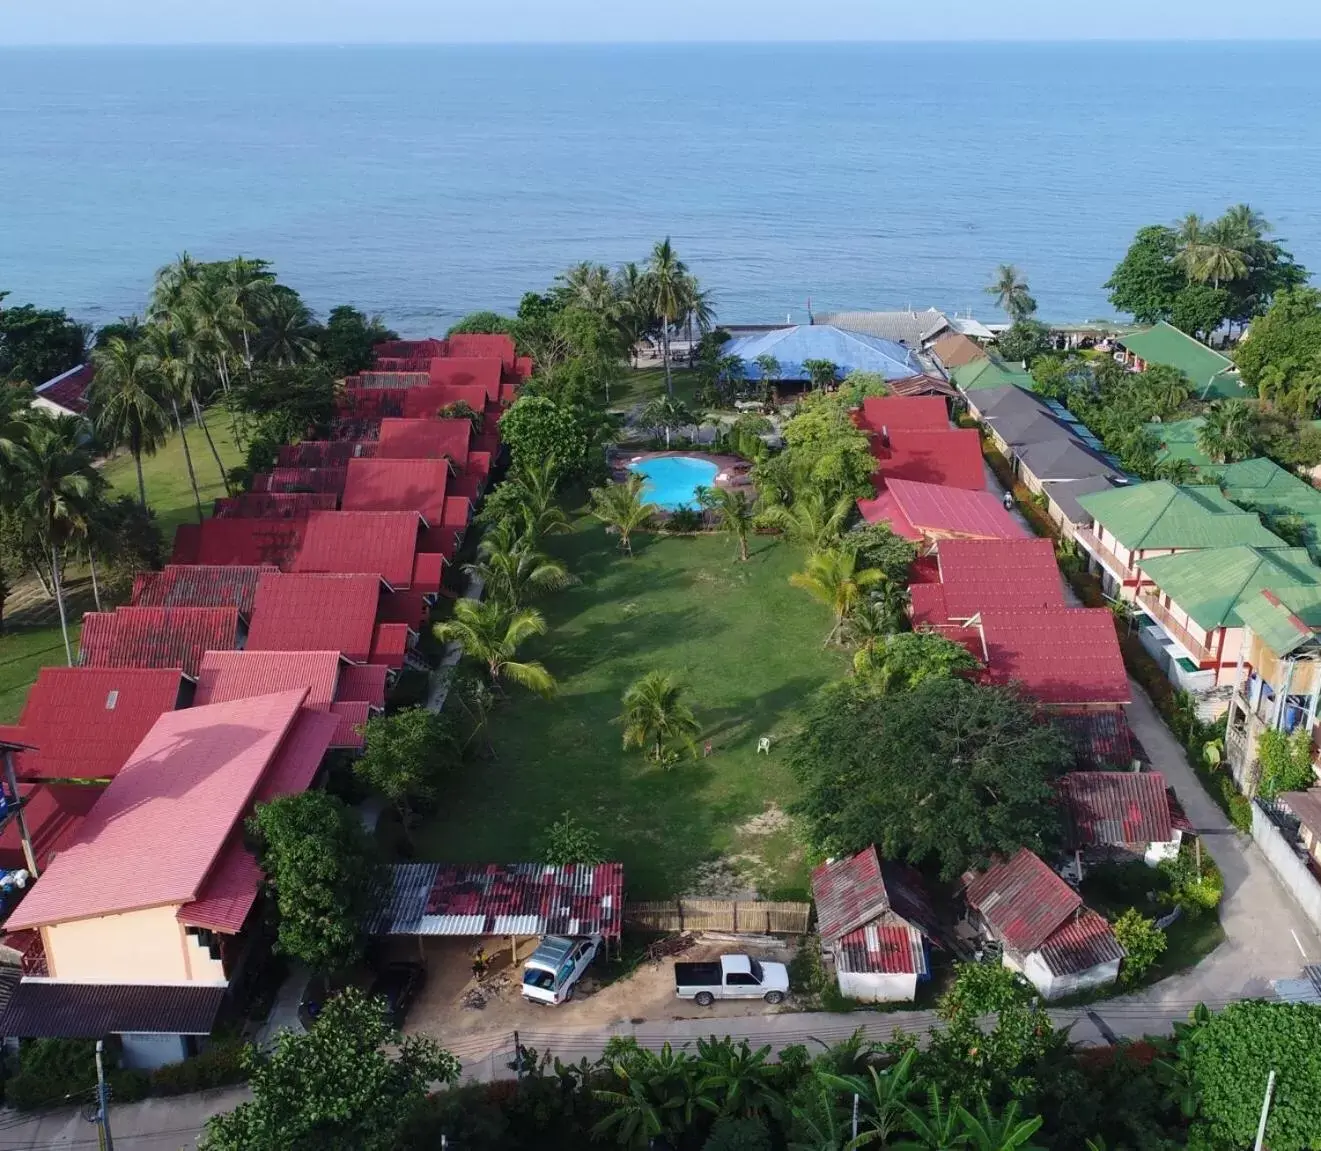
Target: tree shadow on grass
747, 720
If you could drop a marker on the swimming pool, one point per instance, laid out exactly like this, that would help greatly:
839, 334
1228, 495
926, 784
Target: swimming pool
671, 481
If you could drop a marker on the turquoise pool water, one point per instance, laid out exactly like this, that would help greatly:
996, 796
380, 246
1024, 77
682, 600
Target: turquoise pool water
671, 481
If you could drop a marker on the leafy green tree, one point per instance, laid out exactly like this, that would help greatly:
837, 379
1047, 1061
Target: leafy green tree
621, 507
877, 546
734, 514
857, 386
1200, 309
567, 841
822, 373
655, 714
319, 864
734, 1134
491, 633
1229, 1057
127, 402
771, 373
949, 773
827, 450
348, 338
334, 1088
1285, 342
536, 427
1143, 943
410, 755
1025, 340
38, 344
1168, 388
1055, 376
483, 324
653, 1095
883, 1096
1009, 290
1227, 432
981, 989
833, 578
1146, 281
1286, 761
902, 661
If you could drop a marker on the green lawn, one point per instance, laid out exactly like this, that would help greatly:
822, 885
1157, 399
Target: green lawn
638, 387
24, 652
168, 490
748, 648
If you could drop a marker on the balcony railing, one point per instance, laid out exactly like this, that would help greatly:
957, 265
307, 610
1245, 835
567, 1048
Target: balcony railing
1089, 542
1148, 602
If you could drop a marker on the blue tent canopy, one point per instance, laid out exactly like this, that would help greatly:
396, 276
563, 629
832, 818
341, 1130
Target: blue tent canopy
848, 351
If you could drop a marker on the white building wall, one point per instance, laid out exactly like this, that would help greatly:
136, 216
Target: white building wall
1054, 986
1159, 852
874, 988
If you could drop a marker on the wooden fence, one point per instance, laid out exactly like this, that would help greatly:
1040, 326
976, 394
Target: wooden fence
750, 917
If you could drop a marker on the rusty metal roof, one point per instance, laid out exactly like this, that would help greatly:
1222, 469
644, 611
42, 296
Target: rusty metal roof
1114, 808
1022, 900
1081, 943
882, 949
165, 637
199, 585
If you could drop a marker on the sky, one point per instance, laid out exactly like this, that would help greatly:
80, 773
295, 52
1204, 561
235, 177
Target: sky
34, 22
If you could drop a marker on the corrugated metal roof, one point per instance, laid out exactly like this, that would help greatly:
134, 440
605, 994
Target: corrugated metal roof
1209, 584
1022, 900
390, 644
244, 542
1306, 805
1101, 740
468, 371
882, 949
156, 831
275, 505
953, 350
1080, 944
51, 1009
319, 454
885, 509
364, 681
848, 893
345, 542
301, 479
1284, 619
198, 585
908, 327
483, 344
54, 814
1166, 344
230, 675
397, 486
848, 351
1062, 655
1160, 515
424, 440
952, 457
1018, 573
85, 721
923, 385
954, 512
424, 403
316, 612
169, 637
1114, 808
502, 899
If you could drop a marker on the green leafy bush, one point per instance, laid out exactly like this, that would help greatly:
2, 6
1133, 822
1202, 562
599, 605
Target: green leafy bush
683, 520
218, 1066
1193, 891
1142, 941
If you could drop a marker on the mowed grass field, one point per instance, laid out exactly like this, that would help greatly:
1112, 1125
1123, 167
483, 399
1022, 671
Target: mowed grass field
31, 638
748, 648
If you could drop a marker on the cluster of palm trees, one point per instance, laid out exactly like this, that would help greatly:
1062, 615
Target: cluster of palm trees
651, 301
1218, 251
843, 1102
510, 572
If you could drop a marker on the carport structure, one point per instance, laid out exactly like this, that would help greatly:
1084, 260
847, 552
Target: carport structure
509, 899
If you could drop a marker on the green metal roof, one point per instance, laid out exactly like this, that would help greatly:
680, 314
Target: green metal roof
1210, 584
1283, 620
988, 373
1266, 487
1213, 375
1162, 515
1178, 440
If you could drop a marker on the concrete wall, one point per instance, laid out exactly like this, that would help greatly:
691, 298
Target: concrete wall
145, 946
1288, 865
873, 988
1054, 986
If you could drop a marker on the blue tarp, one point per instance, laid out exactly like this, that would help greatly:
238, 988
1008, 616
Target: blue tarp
848, 351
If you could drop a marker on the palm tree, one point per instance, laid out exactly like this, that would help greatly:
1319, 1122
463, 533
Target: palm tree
173, 284
822, 373
512, 570
1222, 254
126, 401
535, 487
810, 520
219, 320
1246, 223
250, 282
667, 413
731, 371
1190, 240
287, 334
176, 369
771, 371
591, 287
621, 506
870, 624
635, 317
57, 486
834, 578
491, 633
734, 514
670, 290
701, 315
655, 713
1168, 388
1010, 291
1227, 431
193, 345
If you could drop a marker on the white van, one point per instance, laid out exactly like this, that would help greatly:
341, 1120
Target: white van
557, 964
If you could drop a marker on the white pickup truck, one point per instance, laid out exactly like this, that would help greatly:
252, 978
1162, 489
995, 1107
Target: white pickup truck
552, 971
733, 977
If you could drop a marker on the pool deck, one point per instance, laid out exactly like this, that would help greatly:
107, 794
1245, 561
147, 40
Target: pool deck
732, 473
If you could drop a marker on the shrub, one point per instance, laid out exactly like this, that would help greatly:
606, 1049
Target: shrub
218, 1066
567, 841
52, 1072
1190, 890
1143, 942
734, 1134
683, 520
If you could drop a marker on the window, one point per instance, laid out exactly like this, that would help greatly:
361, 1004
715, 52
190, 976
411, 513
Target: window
756, 971
738, 979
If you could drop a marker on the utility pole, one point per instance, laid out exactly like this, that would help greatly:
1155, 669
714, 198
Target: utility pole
103, 1100
1265, 1111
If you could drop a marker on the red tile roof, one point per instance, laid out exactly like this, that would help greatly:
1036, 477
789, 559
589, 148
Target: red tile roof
275, 505
468, 371
413, 604
882, 949
243, 542
411, 349
478, 344
315, 612
383, 542
1114, 808
319, 454
200, 585
86, 721
941, 512
353, 715
1022, 900
364, 681
423, 403
390, 644
883, 508
424, 440
54, 813
172, 637
952, 457
1081, 944
323, 480
1061, 655
1101, 740
69, 389
902, 413
397, 486
1016, 572
155, 833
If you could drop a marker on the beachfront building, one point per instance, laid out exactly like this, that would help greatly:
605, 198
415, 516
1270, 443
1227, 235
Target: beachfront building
1213, 376
795, 347
65, 394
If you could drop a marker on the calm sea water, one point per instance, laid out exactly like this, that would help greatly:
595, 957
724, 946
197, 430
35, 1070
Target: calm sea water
425, 182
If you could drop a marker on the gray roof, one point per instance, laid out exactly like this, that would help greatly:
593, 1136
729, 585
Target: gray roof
1065, 493
1064, 460
997, 403
911, 328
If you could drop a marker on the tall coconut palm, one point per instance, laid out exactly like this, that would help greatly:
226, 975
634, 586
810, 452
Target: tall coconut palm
491, 633
734, 514
1221, 256
670, 290
655, 714
1249, 224
621, 506
176, 370
219, 321
1190, 242
1227, 431
635, 317
833, 578
591, 287
1010, 291
127, 401
869, 625
701, 315
173, 284
288, 332
56, 488
771, 372
193, 346
811, 520
250, 282
512, 570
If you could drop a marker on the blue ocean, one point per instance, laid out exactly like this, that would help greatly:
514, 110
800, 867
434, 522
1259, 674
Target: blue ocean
423, 182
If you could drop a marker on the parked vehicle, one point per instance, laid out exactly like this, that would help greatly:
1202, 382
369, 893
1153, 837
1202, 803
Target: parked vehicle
732, 977
550, 973
398, 984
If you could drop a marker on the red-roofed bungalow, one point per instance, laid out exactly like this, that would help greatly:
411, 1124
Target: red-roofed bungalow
425, 440
348, 542
164, 637
316, 612
199, 585
919, 511
952, 457
274, 505
881, 415
402, 485
247, 543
